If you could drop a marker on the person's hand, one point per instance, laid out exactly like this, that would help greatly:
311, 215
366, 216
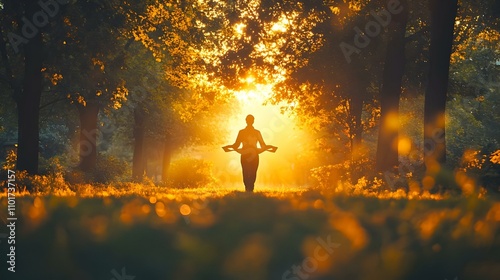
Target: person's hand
271, 148
228, 148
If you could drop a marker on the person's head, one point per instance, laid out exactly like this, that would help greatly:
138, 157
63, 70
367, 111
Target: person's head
250, 119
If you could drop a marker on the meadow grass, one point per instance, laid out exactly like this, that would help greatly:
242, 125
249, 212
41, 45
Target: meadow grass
86, 232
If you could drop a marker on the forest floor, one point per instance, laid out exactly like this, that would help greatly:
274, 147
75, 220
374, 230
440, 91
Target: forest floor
220, 233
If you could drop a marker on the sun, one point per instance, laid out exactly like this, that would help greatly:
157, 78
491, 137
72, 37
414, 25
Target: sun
254, 94
252, 101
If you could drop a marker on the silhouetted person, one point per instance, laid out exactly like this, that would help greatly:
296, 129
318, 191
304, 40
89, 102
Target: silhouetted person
249, 136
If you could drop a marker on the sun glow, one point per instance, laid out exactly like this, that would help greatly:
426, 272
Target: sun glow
256, 95
280, 168
240, 28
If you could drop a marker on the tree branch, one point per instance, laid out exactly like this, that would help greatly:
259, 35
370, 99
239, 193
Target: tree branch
51, 102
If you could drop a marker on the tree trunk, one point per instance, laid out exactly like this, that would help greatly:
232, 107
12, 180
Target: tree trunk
167, 157
387, 146
443, 15
138, 162
356, 110
88, 136
28, 104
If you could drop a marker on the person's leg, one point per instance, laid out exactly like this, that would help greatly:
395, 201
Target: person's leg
245, 166
249, 165
252, 170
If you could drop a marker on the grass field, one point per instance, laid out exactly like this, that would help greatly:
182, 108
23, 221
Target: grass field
153, 233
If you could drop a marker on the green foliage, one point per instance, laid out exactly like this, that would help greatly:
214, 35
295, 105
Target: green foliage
465, 130
87, 61
484, 166
52, 165
91, 59
10, 161
240, 236
52, 183
331, 175
53, 139
109, 168
190, 173
491, 175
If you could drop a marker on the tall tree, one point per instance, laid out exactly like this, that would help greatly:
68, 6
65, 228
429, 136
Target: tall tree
178, 37
88, 64
28, 103
138, 160
387, 146
27, 90
443, 14
340, 68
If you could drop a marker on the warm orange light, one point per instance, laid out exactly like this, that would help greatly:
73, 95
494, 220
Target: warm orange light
433, 167
392, 121
428, 182
414, 186
404, 146
37, 202
160, 209
277, 129
185, 210
145, 209
429, 225
335, 10
255, 96
250, 80
239, 28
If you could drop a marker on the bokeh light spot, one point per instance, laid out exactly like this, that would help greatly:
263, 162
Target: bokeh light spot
404, 146
185, 209
160, 209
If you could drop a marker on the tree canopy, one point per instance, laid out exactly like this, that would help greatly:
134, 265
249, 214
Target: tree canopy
171, 75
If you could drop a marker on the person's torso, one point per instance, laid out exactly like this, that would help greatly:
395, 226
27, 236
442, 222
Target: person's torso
249, 137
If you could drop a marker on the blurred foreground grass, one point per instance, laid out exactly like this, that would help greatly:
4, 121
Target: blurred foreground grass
272, 234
